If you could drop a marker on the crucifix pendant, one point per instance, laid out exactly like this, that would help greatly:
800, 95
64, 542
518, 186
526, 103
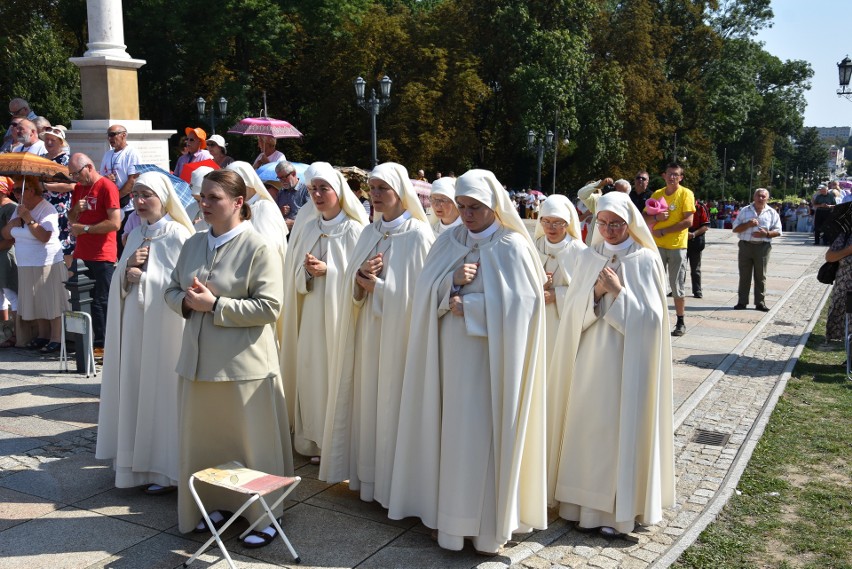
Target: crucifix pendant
387, 234
614, 259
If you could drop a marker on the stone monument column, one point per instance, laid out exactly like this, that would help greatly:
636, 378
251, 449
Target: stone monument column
110, 91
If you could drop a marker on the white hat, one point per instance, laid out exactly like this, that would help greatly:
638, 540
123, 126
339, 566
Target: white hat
218, 140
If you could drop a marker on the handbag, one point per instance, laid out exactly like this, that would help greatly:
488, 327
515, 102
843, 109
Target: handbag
827, 272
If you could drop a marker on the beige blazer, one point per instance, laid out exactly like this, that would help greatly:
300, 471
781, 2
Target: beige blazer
236, 342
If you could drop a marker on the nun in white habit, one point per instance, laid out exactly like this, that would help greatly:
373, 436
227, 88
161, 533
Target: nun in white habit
193, 210
138, 416
360, 434
558, 241
611, 463
266, 218
444, 205
470, 456
315, 294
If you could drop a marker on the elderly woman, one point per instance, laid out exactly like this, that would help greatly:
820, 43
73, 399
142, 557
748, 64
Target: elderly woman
57, 193
443, 204
227, 285
315, 294
615, 380
268, 152
558, 242
217, 146
382, 270
8, 267
470, 451
41, 269
138, 417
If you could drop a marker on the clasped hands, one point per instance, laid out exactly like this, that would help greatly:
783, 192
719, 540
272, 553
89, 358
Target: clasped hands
368, 273
607, 282
135, 265
314, 266
760, 231
464, 275
198, 297
549, 292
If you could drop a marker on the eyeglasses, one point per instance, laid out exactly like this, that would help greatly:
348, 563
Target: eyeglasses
553, 224
77, 173
440, 201
142, 195
15, 124
192, 140
18, 111
641, 178
611, 226
116, 133
54, 131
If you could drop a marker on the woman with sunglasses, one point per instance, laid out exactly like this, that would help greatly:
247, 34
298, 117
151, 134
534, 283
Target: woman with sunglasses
59, 194
613, 377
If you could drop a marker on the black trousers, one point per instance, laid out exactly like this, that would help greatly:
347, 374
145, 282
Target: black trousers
101, 273
693, 255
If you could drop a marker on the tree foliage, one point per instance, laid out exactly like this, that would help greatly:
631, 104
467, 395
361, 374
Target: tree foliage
631, 83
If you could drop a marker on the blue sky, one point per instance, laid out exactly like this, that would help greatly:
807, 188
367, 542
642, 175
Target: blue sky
819, 32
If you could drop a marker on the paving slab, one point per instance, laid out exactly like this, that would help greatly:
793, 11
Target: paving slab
66, 480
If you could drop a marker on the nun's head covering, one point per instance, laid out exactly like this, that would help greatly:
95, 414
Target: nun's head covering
198, 177
349, 202
620, 204
396, 176
559, 206
445, 186
251, 179
160, 184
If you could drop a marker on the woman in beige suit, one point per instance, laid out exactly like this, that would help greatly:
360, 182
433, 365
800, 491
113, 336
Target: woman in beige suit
227, 284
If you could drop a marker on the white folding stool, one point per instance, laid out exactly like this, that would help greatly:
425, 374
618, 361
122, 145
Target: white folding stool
78, 323
234, 477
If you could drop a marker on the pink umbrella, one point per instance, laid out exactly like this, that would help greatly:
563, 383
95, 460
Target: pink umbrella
265, 126
424, 190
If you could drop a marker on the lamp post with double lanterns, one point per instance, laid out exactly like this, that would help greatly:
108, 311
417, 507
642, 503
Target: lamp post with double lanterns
373, 105
221, 105
537, 143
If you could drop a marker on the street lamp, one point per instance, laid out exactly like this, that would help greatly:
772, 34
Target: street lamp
221, 106
844, 70
537, 143
725, 163
373, 105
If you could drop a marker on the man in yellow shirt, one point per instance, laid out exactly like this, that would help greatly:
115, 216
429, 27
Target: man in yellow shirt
671, 233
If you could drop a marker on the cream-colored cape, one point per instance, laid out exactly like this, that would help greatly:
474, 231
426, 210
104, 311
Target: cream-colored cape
363, 412
509, 316
641, 464
138, 417
560, 262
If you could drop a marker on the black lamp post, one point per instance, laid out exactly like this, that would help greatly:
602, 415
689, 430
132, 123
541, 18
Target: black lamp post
844, 70
537, 143
221, 105
373, 105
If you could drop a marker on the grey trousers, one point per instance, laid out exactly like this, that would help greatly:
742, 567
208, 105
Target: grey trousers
753, 258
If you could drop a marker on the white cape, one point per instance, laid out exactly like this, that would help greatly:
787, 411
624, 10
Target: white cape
510, 317
363, 412
634, 476
138, 416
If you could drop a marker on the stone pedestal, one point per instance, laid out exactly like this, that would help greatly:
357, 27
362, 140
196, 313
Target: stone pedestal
109, 86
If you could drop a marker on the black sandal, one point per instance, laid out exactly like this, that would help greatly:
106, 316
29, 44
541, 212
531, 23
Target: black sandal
51, 347
267, 538
202, 525
37, 343
607, 532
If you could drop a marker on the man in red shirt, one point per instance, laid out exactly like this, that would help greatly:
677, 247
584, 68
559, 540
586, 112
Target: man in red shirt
94, 219
695, 245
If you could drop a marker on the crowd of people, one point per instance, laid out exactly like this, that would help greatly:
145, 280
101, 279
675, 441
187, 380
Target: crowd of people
443, 366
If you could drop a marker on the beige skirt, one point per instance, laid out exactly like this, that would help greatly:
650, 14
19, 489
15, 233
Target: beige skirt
41, 292
221, 421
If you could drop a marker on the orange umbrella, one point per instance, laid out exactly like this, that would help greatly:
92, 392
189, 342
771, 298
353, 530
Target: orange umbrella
27, 164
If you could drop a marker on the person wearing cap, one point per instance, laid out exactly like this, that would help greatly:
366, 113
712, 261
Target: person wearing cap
119, 165
26, 138
470, 459
315, 296
443, 203
613, 377
360, 439
58, 194
268, 153
196, 149
217, 146
292, 194
138, 416
823, 202
193, 210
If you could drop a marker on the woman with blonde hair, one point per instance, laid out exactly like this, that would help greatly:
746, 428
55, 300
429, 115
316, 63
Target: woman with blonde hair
138, 417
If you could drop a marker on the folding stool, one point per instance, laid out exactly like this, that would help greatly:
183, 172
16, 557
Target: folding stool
254, 484
78, 323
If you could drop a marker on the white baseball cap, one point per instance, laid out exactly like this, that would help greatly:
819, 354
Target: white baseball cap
218, 140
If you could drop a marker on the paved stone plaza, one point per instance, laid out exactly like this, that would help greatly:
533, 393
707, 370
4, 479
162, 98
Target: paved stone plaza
59, 509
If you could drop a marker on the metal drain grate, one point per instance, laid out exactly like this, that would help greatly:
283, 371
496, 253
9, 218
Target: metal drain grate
710, 438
